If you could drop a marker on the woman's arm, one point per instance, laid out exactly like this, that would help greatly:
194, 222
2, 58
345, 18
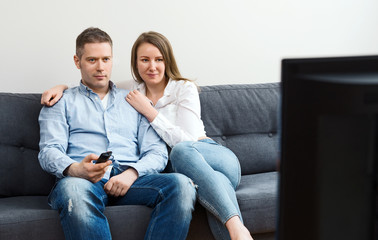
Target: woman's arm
142, 104
51, 96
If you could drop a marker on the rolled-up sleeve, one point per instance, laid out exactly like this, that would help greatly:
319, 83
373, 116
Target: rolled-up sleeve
54, 132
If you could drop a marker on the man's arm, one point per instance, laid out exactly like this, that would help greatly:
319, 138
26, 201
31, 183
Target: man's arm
87, 170
119, 185
54, 134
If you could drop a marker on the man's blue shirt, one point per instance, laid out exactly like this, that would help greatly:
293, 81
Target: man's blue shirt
78, 125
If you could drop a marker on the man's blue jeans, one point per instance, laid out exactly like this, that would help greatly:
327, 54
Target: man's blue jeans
81, 205
216, 171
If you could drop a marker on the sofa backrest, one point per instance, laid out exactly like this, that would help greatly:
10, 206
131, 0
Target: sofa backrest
20, 172
241, 117
244, 118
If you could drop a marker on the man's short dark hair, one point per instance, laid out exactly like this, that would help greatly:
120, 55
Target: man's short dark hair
91, 35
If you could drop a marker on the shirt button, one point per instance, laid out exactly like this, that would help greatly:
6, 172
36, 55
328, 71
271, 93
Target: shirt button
270, 135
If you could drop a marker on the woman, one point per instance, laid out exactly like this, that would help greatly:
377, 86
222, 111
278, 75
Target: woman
171, 104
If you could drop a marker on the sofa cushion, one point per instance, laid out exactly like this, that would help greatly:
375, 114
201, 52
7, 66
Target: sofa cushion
257, 198
244, 119
32, 218
28, 218
21, 173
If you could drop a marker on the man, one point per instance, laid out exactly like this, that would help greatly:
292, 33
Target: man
93, 118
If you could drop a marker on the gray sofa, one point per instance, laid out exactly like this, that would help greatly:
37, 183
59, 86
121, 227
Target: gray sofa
241, 117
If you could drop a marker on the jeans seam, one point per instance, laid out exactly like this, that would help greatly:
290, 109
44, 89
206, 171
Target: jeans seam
212, 210
206, 204
157, 209
209, 207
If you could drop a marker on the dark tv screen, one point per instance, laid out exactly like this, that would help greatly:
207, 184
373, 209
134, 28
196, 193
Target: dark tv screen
328, 163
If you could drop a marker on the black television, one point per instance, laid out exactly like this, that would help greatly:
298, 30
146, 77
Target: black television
328, 158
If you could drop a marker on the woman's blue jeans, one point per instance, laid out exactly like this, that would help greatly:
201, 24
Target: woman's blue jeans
81, 205
216, 171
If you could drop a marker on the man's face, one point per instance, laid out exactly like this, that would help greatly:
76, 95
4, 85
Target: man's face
96, 66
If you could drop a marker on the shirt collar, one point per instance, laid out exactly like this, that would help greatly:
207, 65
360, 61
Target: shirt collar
170, 85
141, 87
87, 91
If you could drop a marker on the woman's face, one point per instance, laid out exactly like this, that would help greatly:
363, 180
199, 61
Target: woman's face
150, 64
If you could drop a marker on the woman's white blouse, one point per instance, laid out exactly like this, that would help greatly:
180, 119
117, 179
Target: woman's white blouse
179, 117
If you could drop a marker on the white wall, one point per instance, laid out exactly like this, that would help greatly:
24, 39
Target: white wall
215, 41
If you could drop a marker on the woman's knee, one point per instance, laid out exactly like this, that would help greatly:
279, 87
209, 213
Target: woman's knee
182, 148
182, 153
